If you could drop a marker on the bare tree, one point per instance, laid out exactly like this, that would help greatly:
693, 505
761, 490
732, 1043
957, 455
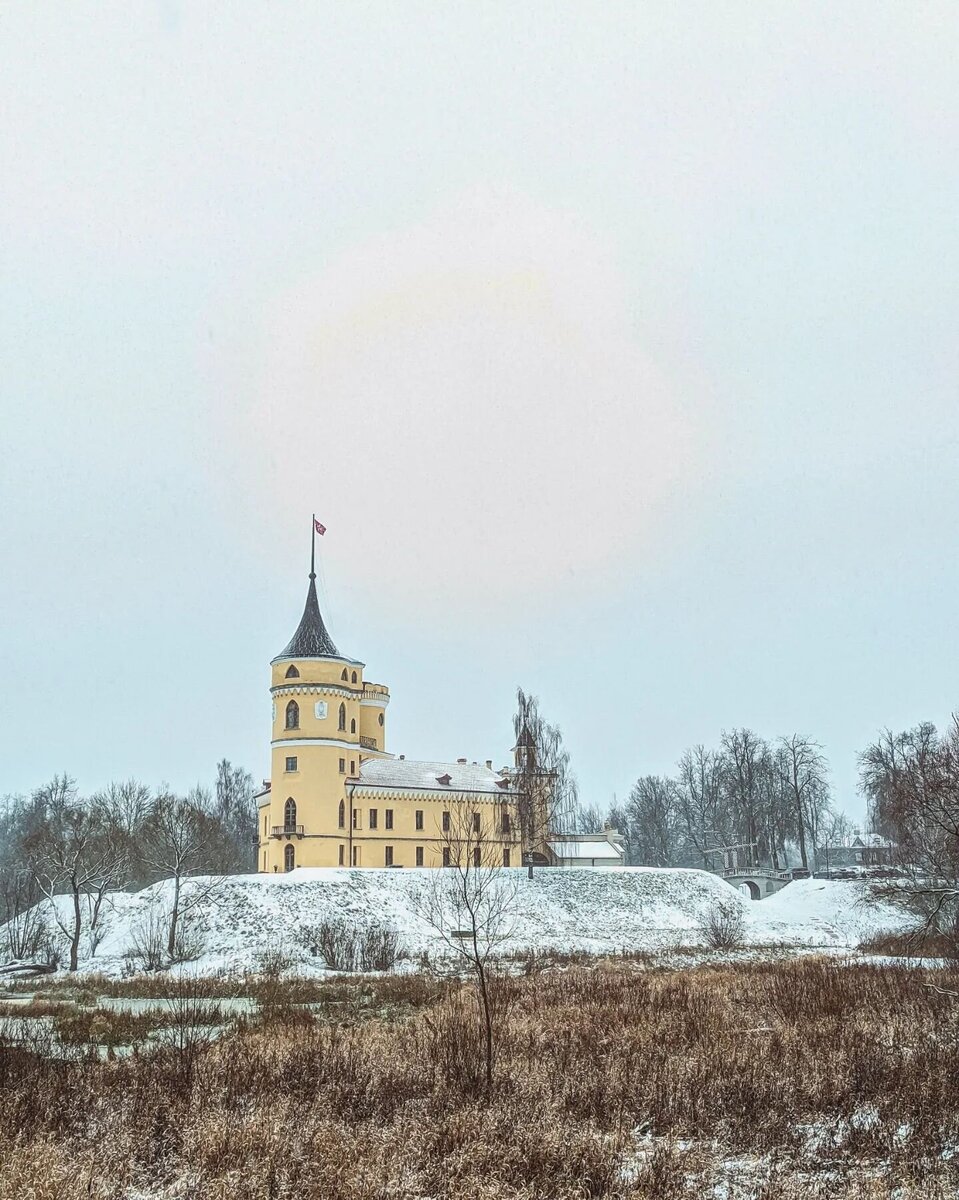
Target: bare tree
802, 770
911, 781
73, 852
543, 780
234, 808
470, 904
652, 809
180, 839
699, 801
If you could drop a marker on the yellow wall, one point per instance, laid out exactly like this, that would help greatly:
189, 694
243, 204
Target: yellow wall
319, 745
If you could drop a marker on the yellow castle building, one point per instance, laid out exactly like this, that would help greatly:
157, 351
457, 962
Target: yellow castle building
337, 798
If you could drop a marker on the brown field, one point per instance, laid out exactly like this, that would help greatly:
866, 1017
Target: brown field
784, 1080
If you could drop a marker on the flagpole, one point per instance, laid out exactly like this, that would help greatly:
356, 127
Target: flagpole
313, 547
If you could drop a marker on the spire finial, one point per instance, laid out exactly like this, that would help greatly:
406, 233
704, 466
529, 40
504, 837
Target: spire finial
313, 548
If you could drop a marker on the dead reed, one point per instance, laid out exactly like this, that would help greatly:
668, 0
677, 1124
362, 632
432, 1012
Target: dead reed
805, 1078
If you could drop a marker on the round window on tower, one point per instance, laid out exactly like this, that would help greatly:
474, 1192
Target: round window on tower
381, 718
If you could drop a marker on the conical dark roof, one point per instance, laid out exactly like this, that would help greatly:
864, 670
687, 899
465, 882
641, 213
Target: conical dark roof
311, 639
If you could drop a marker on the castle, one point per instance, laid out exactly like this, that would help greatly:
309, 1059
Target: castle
336, 798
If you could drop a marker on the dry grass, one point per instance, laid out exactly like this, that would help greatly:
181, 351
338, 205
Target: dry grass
819, 1080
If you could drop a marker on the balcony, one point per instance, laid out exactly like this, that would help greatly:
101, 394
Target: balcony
367, 743
288, 831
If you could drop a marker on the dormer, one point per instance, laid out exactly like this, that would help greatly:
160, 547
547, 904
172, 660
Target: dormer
444, 780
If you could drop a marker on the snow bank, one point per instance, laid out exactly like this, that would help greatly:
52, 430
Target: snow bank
597, 911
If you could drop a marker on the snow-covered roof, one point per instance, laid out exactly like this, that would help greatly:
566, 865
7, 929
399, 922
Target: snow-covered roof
409, 774
586, 848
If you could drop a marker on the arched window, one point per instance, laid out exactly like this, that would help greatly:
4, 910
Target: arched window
289, 858
292, 672
289, 815
353, 726
354, 677
342, 816
293, 715
342, 724
344, 676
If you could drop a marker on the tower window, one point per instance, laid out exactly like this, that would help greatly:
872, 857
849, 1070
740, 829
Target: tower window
373, 818
352, 766
342, 766
354, 856
353, 725
293, 715
388, 856
356, 818
388, 814
354, 677
289, 815
419, 818
292, 672
342, 848
446, 856
419, 856
291, 764
289, 857
476, 856
342, 724
506, 857
344, 676
342, 818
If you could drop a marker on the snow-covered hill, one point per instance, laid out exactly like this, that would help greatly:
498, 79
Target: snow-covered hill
597, 911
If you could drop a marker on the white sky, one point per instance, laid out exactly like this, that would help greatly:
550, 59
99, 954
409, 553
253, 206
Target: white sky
615, 345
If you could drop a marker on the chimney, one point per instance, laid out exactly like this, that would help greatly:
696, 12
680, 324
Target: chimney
461, 761
402, 757
489, 764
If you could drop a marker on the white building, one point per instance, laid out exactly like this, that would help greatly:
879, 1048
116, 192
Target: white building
587, 849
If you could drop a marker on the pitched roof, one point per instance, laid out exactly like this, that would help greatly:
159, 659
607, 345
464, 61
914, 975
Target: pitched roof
311, 639
586, 848
408, 774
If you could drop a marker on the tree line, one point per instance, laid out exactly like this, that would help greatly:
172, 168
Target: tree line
56, 842
771, 799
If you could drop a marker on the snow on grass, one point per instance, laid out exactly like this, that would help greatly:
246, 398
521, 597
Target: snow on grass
600, 911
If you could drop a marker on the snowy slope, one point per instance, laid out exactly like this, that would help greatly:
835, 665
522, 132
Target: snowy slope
601, 910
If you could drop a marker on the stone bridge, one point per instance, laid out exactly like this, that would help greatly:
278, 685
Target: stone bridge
757, 882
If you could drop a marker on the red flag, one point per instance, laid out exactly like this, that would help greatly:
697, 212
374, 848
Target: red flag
318, 527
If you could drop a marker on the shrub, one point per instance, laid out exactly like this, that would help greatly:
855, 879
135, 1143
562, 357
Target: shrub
345, 946
725, 929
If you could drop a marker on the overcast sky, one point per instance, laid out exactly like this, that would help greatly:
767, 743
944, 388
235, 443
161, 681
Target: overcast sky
615, 345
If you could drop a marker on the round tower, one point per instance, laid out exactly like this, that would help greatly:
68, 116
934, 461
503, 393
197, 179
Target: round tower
326, 720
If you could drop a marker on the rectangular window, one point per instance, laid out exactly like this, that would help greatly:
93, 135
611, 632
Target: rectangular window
264, 860
264, 824
446, 856
446, 822
476, 856
419, 818
476, 822
343, 849
419, 856
506, 857
389, 818
506, 828
354, 855
356, 818
291, 764
373, 818
342, 766
352, 766
388, 856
